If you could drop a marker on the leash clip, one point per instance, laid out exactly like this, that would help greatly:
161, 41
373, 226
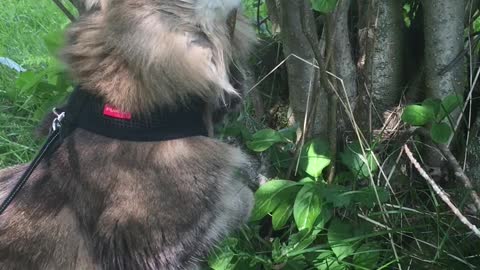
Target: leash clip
57, 122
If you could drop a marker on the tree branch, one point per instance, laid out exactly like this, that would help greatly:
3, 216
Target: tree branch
440, 192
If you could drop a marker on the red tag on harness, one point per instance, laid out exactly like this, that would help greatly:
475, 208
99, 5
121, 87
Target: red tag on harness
116, 113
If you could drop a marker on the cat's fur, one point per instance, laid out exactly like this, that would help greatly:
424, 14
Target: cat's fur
100, 203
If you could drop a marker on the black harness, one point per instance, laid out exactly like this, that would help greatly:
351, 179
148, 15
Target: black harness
89, 112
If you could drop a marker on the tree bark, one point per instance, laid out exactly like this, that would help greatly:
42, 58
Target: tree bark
300, 74
444, 30
384, 61
444, 25
344, 64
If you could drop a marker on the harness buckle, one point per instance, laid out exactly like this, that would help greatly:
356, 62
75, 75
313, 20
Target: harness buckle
57, 122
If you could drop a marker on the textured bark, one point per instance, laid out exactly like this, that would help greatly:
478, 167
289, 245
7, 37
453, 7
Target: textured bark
344, 65
473, 154
444, 24
300, 74
384, 61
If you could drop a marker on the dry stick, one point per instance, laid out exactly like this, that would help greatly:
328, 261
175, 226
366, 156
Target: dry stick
460, 174
440, 192
64, 10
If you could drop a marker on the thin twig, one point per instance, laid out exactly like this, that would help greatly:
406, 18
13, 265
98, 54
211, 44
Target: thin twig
460, 174
64, 10
438, 190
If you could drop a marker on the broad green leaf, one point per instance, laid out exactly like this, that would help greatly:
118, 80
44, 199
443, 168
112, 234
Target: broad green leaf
264, 139
307, 207
301, 240
284, 210
330, 263
434, 103
269, 196
338, 234
315, 157
366, 256
441, 132
337, 195
367, 197
360, 165
418, 115
28, 80
449, 104
324, 6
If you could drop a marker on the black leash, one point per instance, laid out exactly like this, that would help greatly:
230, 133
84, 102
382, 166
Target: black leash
53, 141
62, 126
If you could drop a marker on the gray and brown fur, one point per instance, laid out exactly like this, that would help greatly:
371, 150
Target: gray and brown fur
100, 203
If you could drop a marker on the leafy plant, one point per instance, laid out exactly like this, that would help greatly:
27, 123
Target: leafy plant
431, 114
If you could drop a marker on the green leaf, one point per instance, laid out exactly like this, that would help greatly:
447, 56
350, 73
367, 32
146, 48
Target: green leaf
324, 6
366, 256
449, 104
338, 233
367, 197
418, 115
307, 207
54, 41
315, 157
284, 210
264, 139
221, 258
441, 132
360, 165
330, 263
269, 196
434, 103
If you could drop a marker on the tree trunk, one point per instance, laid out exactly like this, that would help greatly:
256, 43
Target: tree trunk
300, 74
345, 67
444, 25
384, 61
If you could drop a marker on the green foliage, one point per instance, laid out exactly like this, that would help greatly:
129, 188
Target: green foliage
324, 6
306, 232
26, 28
431, 115
315, 157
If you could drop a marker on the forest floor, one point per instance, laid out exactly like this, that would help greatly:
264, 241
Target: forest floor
23, 25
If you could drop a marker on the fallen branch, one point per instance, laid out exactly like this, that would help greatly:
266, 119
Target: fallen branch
460, 173
438, 190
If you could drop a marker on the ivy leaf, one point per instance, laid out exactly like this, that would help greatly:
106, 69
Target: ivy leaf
264, 139
269, 196
324, 6
366, 256
360, 165
440, 132
307, 207
449, 104
315, 157
418, 115
338, 234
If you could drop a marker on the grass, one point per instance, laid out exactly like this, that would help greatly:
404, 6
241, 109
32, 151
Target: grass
23, 24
